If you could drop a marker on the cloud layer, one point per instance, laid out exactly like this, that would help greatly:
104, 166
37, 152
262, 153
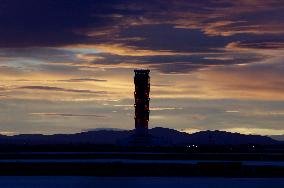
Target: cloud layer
76, 51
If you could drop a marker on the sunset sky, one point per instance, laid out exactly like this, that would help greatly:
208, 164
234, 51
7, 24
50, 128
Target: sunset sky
66, 66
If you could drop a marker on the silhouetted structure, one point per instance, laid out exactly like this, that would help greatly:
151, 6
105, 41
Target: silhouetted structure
141, 94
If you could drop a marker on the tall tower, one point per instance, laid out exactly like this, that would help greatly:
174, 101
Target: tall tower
141, 94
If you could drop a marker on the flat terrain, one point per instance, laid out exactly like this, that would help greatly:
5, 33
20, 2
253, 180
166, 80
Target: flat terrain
144, 164
139, 182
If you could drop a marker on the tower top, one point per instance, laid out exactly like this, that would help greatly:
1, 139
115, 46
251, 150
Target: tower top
141, 71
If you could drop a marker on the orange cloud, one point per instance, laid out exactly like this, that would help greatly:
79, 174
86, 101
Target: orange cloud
121, 49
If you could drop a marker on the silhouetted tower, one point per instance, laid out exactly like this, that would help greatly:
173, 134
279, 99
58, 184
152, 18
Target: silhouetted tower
141, 94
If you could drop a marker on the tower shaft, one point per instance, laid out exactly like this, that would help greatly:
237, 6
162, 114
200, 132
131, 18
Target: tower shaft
141, 94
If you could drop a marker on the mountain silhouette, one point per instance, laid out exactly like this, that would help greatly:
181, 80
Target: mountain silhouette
166, 136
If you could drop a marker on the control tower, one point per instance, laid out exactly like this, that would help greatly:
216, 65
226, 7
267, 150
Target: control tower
141, 94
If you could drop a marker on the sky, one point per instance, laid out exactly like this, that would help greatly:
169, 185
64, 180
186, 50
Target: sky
66, 66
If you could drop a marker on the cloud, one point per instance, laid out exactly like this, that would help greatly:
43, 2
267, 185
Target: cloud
54, 114
66, 80
3, 96
169, 36
83, 80
152, 108
232, 111
257, 44
86, 50
262, 80
49, 23
49, 88
8, 133
165, 108
122, 50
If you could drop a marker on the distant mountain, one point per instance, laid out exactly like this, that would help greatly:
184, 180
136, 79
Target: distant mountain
114, 137
211, 137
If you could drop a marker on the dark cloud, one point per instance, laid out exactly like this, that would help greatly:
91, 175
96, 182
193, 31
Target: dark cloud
193, 33
42, 23
180, 63
33, 23
41, 54
49, 88
67, 80
65, 114
272, 44
83, 80
166, 37
55, 23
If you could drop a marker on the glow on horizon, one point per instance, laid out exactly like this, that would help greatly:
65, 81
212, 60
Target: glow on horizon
246, 131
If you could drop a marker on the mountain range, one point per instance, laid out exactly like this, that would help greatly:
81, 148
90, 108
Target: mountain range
164, 136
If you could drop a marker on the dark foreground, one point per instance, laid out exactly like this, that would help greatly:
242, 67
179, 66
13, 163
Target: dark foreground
139, 182
119, 168
148, 163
